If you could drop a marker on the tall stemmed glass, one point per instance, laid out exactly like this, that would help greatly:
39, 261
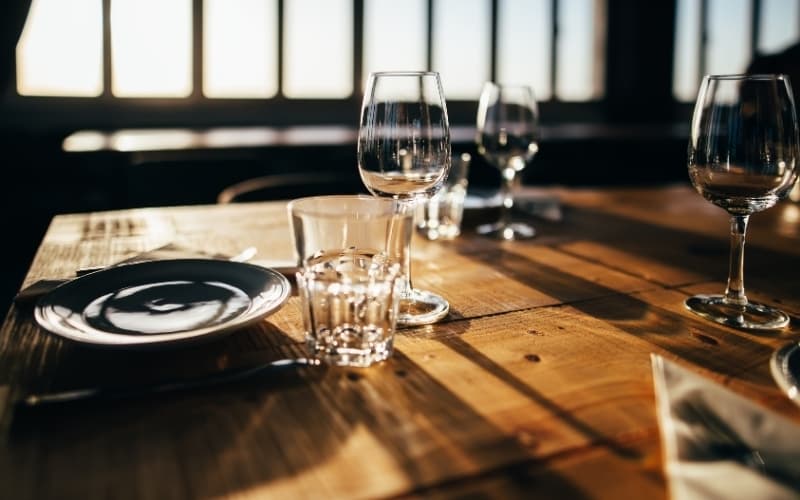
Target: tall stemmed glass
743, 156
508, 138
404, 154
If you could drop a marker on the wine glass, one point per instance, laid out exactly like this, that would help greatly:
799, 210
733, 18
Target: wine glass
404, 154
507, 137
743, 155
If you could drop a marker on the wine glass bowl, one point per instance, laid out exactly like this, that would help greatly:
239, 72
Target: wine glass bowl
507, 138
404, 154
743, 157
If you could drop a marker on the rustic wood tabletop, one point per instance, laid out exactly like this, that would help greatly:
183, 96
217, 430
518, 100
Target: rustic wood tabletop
538, 383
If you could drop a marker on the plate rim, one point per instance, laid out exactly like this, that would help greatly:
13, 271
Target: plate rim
44, 318
786, 381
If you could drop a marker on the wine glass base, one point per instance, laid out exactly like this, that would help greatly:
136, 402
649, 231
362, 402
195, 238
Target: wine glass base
510, 232
421, 308
751, 316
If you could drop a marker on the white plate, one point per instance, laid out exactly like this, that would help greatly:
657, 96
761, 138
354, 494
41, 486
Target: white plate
161, 303
785, 367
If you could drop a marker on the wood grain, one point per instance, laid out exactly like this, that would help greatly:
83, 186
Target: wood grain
537, 383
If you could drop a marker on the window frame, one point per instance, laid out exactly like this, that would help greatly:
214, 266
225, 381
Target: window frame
196, 110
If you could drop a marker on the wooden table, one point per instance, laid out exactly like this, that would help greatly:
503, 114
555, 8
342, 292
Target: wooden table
538, 383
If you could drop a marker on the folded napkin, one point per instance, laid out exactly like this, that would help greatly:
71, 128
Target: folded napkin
718, 444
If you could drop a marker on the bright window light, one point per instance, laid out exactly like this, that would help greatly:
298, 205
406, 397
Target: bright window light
318, 48
779, 25
685, 79
461, 46
240, 48
523, 44
578, 51
726, 54
383, 49
151, 48
60, 52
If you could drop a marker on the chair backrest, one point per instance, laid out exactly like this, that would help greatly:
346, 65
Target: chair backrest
290, 186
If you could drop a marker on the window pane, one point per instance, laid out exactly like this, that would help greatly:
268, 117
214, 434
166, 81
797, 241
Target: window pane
318, 48
240, 48
151, 48
578, 77
462, 46
725, 53
780, 25
685, 80
383, 49
524, 44
60, 52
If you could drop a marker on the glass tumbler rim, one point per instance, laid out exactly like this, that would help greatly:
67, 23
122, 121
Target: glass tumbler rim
747, 76
509, 85
309, 205
415, 73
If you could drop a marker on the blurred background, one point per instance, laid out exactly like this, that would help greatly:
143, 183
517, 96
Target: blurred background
110, 104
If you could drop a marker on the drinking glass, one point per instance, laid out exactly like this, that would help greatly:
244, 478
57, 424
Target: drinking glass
507, 137
743, 155
404, 154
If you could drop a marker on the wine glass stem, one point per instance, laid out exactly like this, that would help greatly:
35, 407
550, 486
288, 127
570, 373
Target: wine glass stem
734, 293
507, 194
404, 208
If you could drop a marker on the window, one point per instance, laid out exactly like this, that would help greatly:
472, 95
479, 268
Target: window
705, 44
306, 49
240, 46
381, 48
148, 38
60, 53
318, 51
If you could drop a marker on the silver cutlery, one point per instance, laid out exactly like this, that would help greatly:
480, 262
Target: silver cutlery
41, 287
130, 391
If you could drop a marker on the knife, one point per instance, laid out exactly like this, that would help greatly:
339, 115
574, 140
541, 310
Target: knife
121, 392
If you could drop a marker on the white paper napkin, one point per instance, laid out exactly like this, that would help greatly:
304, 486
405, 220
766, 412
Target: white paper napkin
718, 444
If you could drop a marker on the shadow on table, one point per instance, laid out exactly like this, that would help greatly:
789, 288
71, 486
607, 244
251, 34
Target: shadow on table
310, 425
691, 338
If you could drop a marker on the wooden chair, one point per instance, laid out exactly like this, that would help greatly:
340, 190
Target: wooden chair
290, 186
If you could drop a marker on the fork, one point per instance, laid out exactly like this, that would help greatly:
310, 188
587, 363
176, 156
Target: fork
41, 287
